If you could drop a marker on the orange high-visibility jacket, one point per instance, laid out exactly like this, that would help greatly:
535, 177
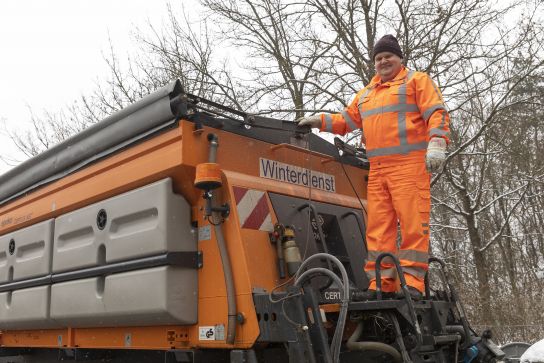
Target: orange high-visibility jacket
397, 117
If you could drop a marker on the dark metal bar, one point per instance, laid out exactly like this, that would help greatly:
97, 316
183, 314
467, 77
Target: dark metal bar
23, 284
446, 339
318, 334
217, 113
375, 305
399, 339
169, 258
197, 99
189, 259
427, 286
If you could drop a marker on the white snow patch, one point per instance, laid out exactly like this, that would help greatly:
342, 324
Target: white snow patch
535, 353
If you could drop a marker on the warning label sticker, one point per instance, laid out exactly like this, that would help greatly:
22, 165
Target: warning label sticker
252, 207
206, 333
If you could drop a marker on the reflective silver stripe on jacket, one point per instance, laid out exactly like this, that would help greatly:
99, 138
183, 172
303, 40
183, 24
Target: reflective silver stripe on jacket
402, 149
414, 256
390, 108
438, 132
360, 106
349, 122
362, 98
401, 120
328, 123
436, 89
428, 112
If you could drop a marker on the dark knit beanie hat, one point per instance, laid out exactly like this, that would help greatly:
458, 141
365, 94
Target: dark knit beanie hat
387, 43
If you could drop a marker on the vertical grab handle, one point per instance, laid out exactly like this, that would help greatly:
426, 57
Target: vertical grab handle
403, 286
360, 223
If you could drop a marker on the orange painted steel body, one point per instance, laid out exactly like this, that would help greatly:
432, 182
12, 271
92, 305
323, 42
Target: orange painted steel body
175, 154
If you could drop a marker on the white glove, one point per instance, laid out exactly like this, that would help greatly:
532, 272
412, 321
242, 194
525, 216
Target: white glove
312, 121
436, 154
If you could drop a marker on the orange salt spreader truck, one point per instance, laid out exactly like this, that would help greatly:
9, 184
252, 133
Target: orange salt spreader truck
180, 230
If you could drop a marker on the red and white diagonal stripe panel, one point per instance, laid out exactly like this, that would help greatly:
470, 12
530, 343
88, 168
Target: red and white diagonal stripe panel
252, 208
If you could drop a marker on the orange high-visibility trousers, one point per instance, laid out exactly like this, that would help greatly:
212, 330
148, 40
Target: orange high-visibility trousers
398, 194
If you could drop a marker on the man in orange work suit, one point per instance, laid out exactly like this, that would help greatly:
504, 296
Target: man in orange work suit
405, 128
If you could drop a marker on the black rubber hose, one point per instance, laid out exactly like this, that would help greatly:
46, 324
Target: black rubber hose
353, 344
337, 338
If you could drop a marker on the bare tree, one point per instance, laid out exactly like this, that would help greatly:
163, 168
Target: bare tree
485, 189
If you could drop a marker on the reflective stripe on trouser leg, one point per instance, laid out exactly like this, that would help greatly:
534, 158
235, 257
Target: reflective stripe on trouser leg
386, 273
381, 232
409, 186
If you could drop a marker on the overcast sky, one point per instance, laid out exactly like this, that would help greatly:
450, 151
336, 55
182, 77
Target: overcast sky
52, 51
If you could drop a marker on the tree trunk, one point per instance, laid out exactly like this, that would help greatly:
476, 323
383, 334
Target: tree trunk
482, 273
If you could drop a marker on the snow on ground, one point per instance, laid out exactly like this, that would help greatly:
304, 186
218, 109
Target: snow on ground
535, 353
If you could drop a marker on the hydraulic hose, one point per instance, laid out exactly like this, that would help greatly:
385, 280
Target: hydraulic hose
353, 344
229, 284
225, 260
318, 270
344, 285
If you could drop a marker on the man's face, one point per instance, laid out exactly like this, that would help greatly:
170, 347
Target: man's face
387, 65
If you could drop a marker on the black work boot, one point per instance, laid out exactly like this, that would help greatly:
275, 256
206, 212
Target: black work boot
415, 294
